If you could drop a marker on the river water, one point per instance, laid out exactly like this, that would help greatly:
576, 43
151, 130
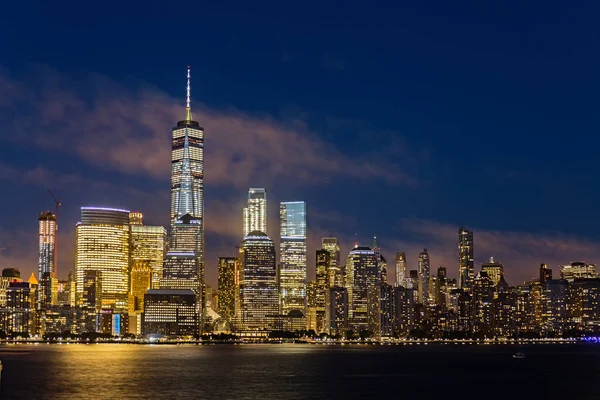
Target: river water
299, 371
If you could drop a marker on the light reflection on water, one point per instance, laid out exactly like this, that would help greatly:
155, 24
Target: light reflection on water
291, 371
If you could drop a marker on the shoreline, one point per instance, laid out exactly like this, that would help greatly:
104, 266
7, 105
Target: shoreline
548, 341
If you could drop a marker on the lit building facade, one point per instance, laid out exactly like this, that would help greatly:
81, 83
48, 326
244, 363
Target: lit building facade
424, 270
466, 263
170, 312
578, 270
228, 284
259, 300
140, 282
8, 275
336, 312
187, 166
334, 272
322, 285
494, 270
103, 245
292, 252
148, 245
47, 241
255, 214
401, 271
362, 272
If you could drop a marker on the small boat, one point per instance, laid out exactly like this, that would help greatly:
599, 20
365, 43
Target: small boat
519, 355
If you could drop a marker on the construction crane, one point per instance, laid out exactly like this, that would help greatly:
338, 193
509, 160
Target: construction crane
55, 261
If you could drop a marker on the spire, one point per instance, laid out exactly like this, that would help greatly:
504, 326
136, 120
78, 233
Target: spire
188, 110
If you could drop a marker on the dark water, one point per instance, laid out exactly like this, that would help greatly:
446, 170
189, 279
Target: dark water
114, 371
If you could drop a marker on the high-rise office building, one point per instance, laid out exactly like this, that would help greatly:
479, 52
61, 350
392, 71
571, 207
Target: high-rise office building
148, 245
362, 272
322, 285
187, 166
47, 239
466, 264
334, 272
8, 275
228, 283
424, 270
401, 270
183, 267
578, 270
336, 313
187, 208
255, 214
103, 245
140, 283
259, 300
292, 252
494, 270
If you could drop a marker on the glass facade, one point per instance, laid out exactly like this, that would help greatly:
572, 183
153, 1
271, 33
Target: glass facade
103, 244
148, 245
362, 272
255, 214
47, 238
170, 312
259, 300
292, 251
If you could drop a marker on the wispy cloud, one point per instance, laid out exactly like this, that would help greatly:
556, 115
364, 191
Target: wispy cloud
115, 127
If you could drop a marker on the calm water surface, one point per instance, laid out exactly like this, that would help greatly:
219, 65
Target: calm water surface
121, 371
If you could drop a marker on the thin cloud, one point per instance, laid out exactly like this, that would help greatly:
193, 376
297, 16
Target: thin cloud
113, 127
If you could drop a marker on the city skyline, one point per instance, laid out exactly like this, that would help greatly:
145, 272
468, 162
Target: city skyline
98, 132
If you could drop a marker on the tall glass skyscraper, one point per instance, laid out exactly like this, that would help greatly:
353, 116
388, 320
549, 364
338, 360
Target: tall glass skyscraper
103, 245
47, 240
255, 214
258, 283
466, 264
187, 207
187, 166
362, 273
292, 252
424, 270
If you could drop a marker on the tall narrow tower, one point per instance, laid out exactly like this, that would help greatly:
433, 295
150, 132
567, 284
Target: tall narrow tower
187, 207
187, 166
466, 264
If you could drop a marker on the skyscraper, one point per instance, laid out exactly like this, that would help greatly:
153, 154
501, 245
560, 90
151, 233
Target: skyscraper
401, 271
47, 239
103, 245
228, 281
187, 207
148, 245
255, 214
362, 272
292, 251
187, 166
140, 283
322, 285
334, 272
494, 270
259, 300
424, 273
466, 265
